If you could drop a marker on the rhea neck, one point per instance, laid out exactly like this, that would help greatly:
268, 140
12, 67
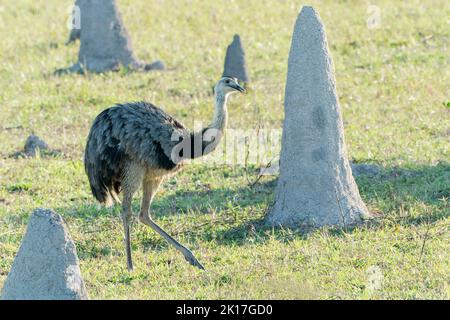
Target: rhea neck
220, 118
209, 138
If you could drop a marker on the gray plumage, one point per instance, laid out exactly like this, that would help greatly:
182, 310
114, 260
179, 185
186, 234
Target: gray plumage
138, 144
138, 132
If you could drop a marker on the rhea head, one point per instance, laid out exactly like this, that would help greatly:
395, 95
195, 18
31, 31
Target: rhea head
228, 85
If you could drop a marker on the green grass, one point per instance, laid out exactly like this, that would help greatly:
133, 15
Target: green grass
393, 87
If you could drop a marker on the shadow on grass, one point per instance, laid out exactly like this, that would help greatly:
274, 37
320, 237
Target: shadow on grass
395, 193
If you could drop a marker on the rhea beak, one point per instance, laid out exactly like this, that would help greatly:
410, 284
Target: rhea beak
238, 87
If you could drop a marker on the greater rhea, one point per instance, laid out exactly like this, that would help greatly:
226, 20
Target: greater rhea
138, 144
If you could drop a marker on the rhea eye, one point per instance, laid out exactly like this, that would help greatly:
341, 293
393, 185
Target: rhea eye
227, 82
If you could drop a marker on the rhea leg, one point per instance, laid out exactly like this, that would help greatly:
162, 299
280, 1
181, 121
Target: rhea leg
133, 176
126, 219
150, 186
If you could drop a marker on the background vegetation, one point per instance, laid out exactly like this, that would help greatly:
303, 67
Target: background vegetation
393, 85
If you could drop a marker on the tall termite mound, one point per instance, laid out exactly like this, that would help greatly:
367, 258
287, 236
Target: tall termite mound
235, 65
104, 41
316, 186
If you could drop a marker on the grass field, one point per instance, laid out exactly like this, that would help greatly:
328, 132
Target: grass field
393, 83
